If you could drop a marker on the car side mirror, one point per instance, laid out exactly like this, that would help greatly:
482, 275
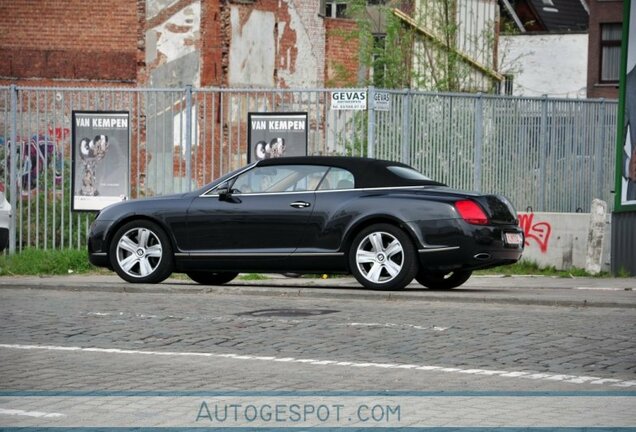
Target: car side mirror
224, 193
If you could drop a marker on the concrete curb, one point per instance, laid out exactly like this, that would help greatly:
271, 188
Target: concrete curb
490, 290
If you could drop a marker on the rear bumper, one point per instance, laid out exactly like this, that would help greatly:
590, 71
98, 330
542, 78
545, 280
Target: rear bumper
469, 247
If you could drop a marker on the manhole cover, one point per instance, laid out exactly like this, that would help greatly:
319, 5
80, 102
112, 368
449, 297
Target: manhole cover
288, 312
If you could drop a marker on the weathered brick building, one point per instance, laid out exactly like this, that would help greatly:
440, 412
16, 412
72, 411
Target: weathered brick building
162, 43
71, 41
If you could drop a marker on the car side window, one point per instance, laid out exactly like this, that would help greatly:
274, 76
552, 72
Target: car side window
337, 178
283, 178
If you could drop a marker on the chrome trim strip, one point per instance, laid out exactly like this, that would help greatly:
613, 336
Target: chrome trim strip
318, 191
99, 253
438, 249
319, 254
255, 254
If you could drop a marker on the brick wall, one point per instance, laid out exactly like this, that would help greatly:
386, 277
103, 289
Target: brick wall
71, 39
341, 52
212, 45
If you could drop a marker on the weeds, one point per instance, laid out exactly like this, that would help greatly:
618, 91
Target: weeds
46, 262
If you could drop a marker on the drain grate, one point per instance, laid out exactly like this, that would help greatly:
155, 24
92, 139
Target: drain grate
288, 312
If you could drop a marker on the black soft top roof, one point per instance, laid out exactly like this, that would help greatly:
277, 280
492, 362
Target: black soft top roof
366, 171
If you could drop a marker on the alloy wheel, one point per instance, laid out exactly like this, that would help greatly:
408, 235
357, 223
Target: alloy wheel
380, 257
139, 252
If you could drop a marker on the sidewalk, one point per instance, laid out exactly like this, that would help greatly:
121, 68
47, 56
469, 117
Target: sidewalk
530, 290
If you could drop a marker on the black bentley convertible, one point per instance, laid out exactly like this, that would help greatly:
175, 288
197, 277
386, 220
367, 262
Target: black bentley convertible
382, 221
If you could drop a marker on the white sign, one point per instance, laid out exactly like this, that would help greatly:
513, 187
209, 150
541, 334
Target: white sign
382, 101
349, 100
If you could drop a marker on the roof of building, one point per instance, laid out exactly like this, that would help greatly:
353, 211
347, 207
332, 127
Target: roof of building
561, 15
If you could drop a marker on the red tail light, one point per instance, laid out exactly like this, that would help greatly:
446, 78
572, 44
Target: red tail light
471, 212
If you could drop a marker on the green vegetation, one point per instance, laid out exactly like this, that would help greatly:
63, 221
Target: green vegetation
252, 277
532, 268
420, 52
75, 261
46, 262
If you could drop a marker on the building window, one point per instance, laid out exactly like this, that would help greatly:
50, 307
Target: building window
335, 9
610, 52
338, 8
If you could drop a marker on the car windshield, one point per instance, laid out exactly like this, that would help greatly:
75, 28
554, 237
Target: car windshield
408, 173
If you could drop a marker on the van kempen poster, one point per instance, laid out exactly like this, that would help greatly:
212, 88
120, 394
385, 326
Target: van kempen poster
272, 135
100, 159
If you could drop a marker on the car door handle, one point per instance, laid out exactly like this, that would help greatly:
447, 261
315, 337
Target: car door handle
300, 204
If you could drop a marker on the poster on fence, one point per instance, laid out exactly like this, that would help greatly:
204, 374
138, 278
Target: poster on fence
271, 135
100, 159
626, 157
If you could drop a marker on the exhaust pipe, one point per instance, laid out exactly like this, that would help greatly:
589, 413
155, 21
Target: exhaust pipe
482, 256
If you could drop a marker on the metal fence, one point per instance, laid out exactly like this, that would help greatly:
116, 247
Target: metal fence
544, 154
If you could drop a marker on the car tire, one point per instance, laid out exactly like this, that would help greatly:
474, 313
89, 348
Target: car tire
383, 257
443, 281
211, 278
141, 252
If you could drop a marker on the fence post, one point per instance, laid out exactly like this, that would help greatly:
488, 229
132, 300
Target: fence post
543, 144
598, 151
406, 127
371, 122
479, 141
188, 137
13, 170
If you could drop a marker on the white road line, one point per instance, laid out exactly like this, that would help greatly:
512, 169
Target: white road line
603, 288
37, 414
390, 325
573, 379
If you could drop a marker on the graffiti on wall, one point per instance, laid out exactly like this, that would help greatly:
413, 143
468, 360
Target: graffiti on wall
538, 232
36, 155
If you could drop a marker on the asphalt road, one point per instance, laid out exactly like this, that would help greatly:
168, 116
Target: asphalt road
497, 334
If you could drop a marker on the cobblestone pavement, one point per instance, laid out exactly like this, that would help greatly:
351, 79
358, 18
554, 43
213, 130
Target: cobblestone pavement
172, 341
84, 334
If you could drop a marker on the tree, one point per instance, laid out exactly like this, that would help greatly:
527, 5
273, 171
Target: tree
436, 48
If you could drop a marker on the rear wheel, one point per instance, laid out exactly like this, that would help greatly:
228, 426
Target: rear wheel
382, 256
141, 252
211, 278
443, 281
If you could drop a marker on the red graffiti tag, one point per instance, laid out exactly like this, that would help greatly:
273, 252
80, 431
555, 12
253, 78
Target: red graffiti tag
60, 133
539, 232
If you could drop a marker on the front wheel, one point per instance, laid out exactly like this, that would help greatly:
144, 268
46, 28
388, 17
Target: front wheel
443, 281
211, 278
141, 252
382, 256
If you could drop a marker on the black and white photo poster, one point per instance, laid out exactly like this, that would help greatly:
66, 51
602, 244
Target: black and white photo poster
627, 170
100, 159
273, 135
